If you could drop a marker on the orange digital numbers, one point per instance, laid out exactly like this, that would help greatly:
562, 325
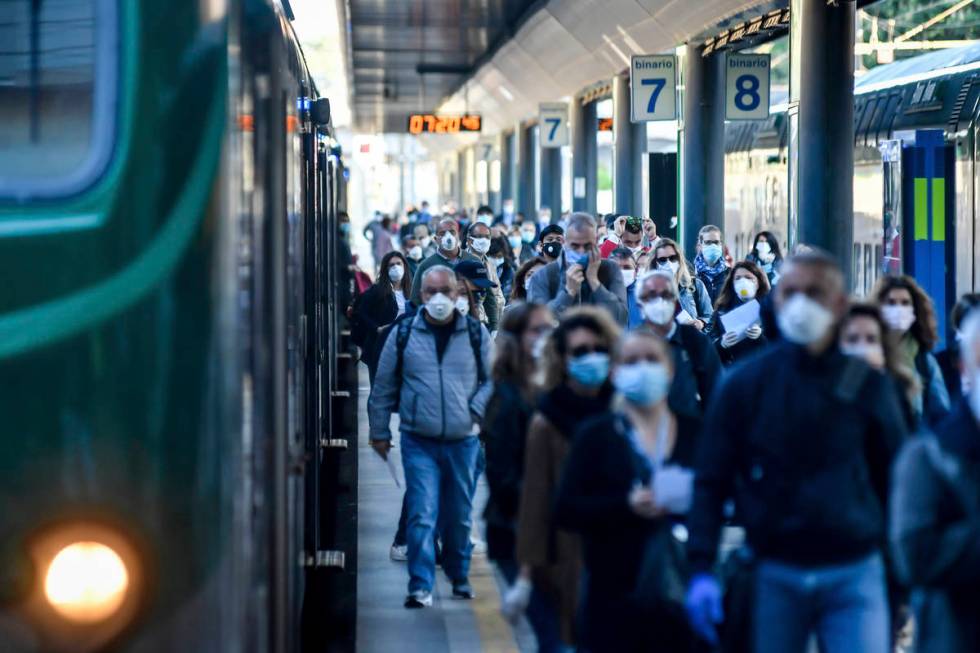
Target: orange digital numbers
428, 123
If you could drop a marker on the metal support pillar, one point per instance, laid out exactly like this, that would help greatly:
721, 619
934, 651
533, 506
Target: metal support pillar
703, 157
460, 179
508, 167
550, 193
526, 198
825, 180
584, 165
630, 144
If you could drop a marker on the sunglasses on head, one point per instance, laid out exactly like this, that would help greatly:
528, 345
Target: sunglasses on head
582, 350
673, 258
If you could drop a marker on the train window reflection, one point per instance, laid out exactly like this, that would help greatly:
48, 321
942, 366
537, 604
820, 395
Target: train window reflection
57, 94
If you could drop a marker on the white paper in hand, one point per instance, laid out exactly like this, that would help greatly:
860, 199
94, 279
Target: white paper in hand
673, 488
739, 319
393, 470
684, 317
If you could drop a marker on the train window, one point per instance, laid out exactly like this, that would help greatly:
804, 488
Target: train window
57, 95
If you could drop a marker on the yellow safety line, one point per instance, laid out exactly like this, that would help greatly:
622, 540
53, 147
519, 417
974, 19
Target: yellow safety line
496, 635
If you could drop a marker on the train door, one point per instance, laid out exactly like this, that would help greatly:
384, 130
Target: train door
928, 212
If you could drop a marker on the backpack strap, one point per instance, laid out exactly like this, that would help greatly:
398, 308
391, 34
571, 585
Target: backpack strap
401, 342
475, 330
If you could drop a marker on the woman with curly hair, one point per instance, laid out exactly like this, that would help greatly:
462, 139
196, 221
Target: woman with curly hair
576, 386
911, 320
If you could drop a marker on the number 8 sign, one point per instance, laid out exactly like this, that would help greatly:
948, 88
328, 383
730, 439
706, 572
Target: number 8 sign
747, 87
653, 86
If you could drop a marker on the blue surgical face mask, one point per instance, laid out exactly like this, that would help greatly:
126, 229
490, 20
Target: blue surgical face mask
711, 253
589, 370
345, 227
643, 384
572, 257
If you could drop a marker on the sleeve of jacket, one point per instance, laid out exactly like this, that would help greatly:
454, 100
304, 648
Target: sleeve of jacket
534, 516
712, 370
937, 396
926, 549
491, 307
384, 392
705, 311
888, 436
714, 472
370, 308
478, 404
503, 431
417, 282
613, 297
582, 504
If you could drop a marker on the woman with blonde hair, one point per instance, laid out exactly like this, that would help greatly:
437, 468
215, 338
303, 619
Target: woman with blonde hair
693, 294
576, 386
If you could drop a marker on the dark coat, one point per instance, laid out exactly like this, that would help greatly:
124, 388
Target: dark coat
743, 348
805, 444
504, 432
600, 471
935, 532
375, 309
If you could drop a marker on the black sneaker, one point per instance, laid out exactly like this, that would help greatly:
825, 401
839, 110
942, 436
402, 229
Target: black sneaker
463, 590
418, 599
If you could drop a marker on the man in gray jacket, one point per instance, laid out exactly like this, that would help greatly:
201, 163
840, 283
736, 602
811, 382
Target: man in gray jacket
434, 370
580, 275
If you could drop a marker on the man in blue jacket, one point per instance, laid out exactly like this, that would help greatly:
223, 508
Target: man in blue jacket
433, 371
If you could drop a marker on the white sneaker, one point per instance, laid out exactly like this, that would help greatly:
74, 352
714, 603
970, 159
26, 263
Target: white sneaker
418, 599
398, 553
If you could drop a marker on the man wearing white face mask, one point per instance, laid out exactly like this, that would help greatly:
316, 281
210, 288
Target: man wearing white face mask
935, 517
434, 368
448, 253
478, 244
697, 367
803, 437
627, 266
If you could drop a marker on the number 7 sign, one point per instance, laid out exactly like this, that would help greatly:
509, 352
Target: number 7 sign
553, 124
653, 86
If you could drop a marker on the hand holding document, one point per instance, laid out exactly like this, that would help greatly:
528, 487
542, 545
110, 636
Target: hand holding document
739, 320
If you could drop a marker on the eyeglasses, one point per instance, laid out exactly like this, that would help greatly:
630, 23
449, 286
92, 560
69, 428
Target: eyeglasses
664, 260
663, 294
582, 350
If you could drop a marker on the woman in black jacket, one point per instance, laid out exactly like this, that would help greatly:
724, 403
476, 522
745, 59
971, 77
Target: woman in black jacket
746, 282
628, 480
381, 304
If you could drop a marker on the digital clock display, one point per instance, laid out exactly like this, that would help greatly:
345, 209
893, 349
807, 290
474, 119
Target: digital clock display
428, 123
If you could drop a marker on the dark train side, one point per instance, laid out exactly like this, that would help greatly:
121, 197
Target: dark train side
178, 388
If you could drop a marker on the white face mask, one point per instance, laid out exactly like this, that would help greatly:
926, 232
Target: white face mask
485, 219
496, 261
746, 288
763, 249
670, 266
480, 245
395, 273
898, 318
439, 307
463, 306
448, 241
425, 241
629, 276
415, 253
803, 321
636, 250
659, 311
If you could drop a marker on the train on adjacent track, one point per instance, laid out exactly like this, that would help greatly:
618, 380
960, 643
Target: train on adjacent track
177, 382
935, 91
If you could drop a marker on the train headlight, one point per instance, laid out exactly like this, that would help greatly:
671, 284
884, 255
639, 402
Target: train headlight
86, 582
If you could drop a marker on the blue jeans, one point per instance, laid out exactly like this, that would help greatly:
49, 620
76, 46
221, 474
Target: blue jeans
542, 613
439, 484
845, 605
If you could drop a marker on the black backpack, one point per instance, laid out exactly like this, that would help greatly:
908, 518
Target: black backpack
473, 328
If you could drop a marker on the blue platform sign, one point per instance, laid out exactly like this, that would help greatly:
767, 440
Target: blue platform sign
553, 121
747, 86
653, 87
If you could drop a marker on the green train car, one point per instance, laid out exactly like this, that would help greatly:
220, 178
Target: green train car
173, 393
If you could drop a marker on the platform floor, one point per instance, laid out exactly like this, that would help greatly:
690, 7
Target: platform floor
383, 625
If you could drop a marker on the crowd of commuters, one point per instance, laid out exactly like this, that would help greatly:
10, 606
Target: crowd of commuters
710, 455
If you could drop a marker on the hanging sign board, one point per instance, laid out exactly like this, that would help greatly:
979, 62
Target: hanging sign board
553, 122
653, 87
747, 87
